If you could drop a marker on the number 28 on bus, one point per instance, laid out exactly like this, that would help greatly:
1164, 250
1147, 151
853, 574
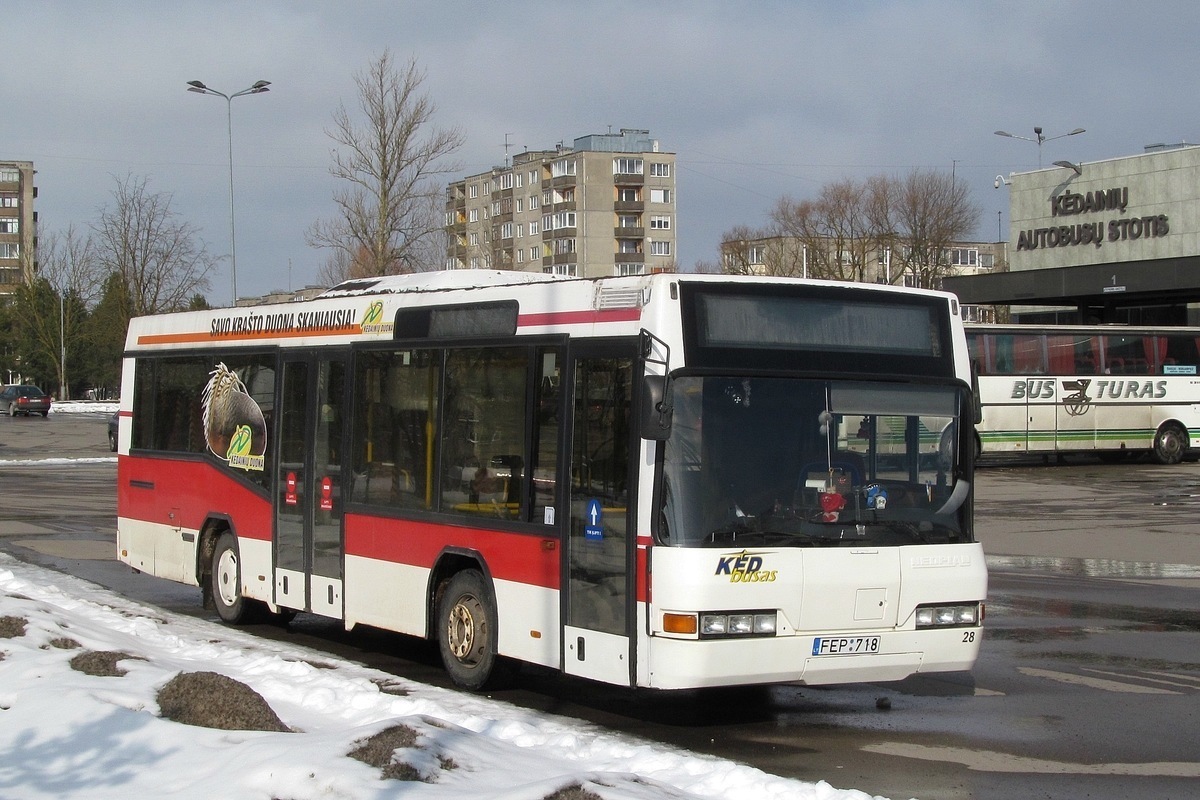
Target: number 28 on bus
665, 481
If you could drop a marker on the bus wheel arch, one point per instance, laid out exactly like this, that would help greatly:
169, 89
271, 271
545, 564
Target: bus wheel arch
1170, 442
205, 547
465, 622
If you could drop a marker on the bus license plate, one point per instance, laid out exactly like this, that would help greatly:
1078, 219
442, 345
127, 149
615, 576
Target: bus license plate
845, 645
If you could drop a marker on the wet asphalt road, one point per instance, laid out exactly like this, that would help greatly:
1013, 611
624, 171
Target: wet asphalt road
1088, 684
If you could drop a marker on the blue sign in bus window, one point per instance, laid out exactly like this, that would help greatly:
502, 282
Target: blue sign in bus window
593, 522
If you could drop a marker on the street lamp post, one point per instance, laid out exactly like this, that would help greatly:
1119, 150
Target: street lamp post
62, 354
258, 88
1040, 139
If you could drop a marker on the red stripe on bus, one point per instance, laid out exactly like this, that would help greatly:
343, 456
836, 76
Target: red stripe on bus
524, 558
578, 317
182, 494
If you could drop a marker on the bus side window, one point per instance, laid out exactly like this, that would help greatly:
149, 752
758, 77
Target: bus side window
483, 432
543, 468
397, 403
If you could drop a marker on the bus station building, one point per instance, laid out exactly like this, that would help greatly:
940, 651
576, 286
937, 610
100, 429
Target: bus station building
1114, 241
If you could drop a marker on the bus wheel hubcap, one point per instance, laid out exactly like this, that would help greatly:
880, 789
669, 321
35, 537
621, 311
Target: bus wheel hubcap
461, 628
227, 578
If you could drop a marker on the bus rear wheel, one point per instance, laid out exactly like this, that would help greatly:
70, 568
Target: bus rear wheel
226, 581
1170, 443
466, 631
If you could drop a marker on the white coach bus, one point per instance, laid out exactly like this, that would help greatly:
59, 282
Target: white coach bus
638, 480
1108, 389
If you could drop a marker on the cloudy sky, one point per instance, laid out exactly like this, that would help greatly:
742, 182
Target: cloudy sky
757, 99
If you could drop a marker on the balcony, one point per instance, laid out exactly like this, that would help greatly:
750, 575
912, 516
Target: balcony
629, 179
629, 233
631, 206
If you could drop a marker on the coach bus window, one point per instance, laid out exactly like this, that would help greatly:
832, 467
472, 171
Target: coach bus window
1061, 352
483, 432
1132, 355
1182, 354
397, 396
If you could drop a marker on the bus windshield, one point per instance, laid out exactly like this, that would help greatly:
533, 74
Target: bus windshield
788, 462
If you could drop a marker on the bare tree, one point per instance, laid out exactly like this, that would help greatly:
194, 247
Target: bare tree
162, 261
390, 208
831, 237
932, 211
738, 256
338, 267
70, 262
52, 310
878, 230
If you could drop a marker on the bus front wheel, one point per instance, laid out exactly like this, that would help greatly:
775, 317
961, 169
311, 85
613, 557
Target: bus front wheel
466, 631
1170, 443
226, 580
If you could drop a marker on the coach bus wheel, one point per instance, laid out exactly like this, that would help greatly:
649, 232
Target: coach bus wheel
227, 581
466, 631
1170, 443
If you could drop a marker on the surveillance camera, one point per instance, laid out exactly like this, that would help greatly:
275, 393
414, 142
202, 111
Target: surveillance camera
997, 183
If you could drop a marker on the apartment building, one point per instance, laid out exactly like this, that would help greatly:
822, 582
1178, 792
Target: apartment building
604, 206
18, 220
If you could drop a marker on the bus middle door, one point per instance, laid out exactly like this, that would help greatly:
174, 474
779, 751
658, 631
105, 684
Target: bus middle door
308, 499
598, 575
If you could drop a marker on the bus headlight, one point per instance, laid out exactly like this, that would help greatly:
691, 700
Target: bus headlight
948, 616
737, 623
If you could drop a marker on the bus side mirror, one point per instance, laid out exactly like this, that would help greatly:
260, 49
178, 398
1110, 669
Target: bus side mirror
656, 408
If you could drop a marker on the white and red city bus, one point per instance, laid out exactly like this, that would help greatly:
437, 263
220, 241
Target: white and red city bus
639, 480
1111, 390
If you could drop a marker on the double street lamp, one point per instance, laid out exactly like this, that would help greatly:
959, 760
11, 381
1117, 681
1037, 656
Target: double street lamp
1040, 139
258, 88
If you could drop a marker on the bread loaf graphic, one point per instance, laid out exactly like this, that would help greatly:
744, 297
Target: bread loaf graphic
228, 407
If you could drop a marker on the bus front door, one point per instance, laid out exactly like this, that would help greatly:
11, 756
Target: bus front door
308, 500
598, 588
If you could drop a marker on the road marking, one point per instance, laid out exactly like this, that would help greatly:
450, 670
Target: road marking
991, 761
1188, 679
1094, 683
1164, 680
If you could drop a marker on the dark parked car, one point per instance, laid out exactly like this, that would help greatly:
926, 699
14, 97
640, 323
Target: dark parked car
112, 432
23, 399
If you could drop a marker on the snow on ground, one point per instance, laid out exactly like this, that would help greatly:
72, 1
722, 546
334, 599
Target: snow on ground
65, 733
83, 406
